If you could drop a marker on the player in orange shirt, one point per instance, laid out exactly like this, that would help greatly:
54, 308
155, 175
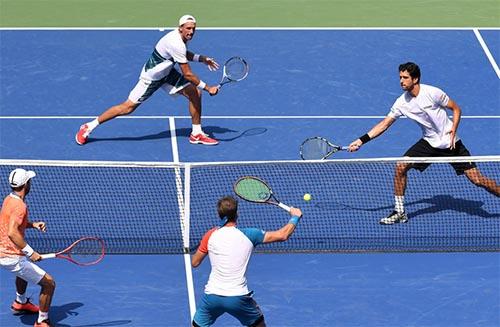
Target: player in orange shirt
17, 256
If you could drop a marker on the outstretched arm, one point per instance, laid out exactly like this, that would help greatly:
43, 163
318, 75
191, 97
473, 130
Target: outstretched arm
284, 232
378, 129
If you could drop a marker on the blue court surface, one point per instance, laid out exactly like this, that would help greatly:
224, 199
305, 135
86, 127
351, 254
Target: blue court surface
334, 83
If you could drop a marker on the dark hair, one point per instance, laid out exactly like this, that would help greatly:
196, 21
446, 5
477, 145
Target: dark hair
228, 207
412, 69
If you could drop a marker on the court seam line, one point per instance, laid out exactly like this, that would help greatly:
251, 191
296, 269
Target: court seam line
232, 117
487, 52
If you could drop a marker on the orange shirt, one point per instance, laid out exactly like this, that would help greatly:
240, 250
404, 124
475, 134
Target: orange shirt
13, 207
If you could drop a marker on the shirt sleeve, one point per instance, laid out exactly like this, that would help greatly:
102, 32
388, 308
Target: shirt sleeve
395, 112
204, 241
178, 52
439, 97
255, 235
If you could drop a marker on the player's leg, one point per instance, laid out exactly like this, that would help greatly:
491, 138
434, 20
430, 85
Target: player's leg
208, 310
478, 179
15, 265
175, 84
48, 287
472, 172
420, 149
398, 215
140, 93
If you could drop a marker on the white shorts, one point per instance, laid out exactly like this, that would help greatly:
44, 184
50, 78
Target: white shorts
172, 83
23, 268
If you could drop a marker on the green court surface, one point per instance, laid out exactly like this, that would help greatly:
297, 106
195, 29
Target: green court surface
251, 13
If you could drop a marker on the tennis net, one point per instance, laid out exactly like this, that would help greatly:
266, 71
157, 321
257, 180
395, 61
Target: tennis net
140, 208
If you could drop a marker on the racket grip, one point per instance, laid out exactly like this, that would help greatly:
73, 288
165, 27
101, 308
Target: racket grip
344, 148
284, 206
48, 256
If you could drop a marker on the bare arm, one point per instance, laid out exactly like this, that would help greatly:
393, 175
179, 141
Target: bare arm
284, 232
376, 130
197, 258
191, 77
457, 113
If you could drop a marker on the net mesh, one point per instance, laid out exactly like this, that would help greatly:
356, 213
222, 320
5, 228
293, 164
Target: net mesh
136, 209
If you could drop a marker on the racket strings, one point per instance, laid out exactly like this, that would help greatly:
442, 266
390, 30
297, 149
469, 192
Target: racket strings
236, 69
87, 251
315, 149
253, 190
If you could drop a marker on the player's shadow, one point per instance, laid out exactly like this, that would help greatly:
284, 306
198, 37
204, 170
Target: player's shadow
180, 132
447, 202
185, 132
437, 203
61, 312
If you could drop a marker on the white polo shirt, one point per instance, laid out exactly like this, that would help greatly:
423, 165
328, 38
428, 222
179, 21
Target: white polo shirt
169, 50
427, 109
229, 250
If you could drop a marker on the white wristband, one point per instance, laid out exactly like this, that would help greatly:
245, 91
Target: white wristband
27, 250
196, 57
201, 85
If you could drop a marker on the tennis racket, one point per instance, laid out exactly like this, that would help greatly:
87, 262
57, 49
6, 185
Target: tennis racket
319, 148
255, 190
86, 251
235, 70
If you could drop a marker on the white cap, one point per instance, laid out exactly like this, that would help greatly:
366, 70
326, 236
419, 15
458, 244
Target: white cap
18, 177
186, 18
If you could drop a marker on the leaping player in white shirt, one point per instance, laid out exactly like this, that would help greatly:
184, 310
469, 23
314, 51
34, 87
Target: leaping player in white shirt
425, 105
159, 72
229, 249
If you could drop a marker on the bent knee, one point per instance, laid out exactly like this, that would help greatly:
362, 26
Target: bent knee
48, 282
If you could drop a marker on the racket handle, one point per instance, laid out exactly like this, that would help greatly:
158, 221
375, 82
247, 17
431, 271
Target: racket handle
284, 206
344, 148
48, 256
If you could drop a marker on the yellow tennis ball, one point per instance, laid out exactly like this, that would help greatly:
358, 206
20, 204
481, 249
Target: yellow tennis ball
307, 197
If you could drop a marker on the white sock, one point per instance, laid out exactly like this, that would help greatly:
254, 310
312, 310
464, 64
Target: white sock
93, 124
399, 203
21, 298
196, 129
42, 316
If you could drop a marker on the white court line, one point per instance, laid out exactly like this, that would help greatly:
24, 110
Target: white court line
161, 29
229, 117
487, 52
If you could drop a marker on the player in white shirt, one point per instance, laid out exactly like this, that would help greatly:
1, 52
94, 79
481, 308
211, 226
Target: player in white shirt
159, 72
229, 249
425, 105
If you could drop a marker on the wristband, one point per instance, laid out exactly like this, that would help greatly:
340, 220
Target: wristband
201, 85
294, 220
365, 138
27, 250
196, 57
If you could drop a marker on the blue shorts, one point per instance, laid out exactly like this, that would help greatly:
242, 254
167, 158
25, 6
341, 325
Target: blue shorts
244, 308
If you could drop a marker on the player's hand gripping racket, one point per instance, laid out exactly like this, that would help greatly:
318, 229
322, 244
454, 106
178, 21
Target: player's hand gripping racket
84, 252
235, 70
255, 190
319, 148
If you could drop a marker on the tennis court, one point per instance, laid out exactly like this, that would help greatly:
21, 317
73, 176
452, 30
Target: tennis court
333, 82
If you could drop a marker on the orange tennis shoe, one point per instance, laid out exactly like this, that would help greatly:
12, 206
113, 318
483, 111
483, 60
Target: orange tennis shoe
23, 308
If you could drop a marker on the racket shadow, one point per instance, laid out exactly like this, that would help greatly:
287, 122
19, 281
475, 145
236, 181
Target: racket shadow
249, 132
